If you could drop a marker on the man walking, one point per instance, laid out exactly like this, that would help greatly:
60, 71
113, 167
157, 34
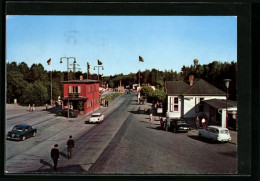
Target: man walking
70, 144
55, 155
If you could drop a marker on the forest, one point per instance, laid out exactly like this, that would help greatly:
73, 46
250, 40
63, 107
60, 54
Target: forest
32, 85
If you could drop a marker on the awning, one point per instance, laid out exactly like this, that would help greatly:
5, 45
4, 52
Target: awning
74, 99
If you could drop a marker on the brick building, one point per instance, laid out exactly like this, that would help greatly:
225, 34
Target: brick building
83, 95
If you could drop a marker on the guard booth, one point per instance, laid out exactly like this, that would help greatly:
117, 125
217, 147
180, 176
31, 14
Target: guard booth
82, 95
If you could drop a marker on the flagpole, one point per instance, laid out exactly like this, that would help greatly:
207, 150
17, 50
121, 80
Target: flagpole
51, 85
139, 86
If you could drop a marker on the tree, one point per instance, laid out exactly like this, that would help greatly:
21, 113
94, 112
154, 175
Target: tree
35, 93
15, 85
37, 73
195, 61
24, 69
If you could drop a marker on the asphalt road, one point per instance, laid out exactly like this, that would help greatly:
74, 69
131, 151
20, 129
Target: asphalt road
125, 143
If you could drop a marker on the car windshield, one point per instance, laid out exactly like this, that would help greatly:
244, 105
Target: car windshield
224, 131
95, 115
18, 128
181, 122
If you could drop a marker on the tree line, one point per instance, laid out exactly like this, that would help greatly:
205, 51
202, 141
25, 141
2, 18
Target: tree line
32, 85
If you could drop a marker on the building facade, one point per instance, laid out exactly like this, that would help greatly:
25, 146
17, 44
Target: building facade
186, 99
82, 95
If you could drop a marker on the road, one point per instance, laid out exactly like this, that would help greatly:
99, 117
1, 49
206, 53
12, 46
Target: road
125, 143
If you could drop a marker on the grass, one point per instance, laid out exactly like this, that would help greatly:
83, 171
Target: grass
111, 98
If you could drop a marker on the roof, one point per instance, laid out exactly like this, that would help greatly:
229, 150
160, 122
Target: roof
220, 103
201, 87
22, 125
176, 87
217, 127
84, 81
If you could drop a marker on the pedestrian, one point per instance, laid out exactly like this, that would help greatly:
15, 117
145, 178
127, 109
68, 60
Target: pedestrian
107, 103
70, 146
203, 121
46, 105
55, 155
29, 108
33, 108
151, 116
197, 122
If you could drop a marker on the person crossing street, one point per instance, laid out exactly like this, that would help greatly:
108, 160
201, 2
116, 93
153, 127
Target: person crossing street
70, 146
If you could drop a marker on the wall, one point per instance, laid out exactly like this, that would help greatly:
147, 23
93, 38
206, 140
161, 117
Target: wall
174, 114
189, 104
85, 91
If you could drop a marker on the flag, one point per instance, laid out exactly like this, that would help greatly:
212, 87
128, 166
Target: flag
141, 59
99, 62
49, 61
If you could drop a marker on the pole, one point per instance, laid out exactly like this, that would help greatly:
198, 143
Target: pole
68, 86
227, 109
87, 70
51, 85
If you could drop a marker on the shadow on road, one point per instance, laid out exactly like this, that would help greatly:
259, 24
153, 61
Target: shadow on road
46, 163
205, 140
53, 109
232, 154
63, 155
72, 169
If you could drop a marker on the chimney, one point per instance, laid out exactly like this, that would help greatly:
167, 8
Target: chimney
191, 80
81, 77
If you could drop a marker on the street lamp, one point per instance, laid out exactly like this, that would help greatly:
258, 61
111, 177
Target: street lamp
99, 66
74, 62
227, 86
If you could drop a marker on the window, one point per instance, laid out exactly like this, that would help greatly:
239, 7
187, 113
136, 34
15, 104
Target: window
75, 89
176, 104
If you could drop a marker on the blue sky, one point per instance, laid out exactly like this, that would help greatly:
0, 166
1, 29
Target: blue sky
165, 42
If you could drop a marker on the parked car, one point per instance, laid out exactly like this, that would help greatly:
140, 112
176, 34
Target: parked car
64, 112
175, 125
96, 118
21, 132
179, 125
215, 133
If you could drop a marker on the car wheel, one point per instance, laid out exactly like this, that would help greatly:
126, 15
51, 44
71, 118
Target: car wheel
23, 138
34, 134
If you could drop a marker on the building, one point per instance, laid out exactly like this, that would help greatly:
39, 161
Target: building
216, 109
185, 99
83, 95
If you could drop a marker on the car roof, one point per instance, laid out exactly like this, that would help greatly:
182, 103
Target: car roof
96, 114
217, 127
22, 125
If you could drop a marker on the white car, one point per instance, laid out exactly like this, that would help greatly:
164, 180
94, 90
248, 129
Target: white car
215, 133
96, 118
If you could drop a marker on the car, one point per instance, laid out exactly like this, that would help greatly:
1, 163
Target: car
215, 133
64, 112
179, 125
96, 118
21, 132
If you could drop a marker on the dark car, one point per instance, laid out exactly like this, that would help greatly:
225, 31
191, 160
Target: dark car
21, 132
64, 112
178, 125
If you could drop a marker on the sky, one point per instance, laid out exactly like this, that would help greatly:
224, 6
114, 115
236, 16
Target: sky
165, 42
